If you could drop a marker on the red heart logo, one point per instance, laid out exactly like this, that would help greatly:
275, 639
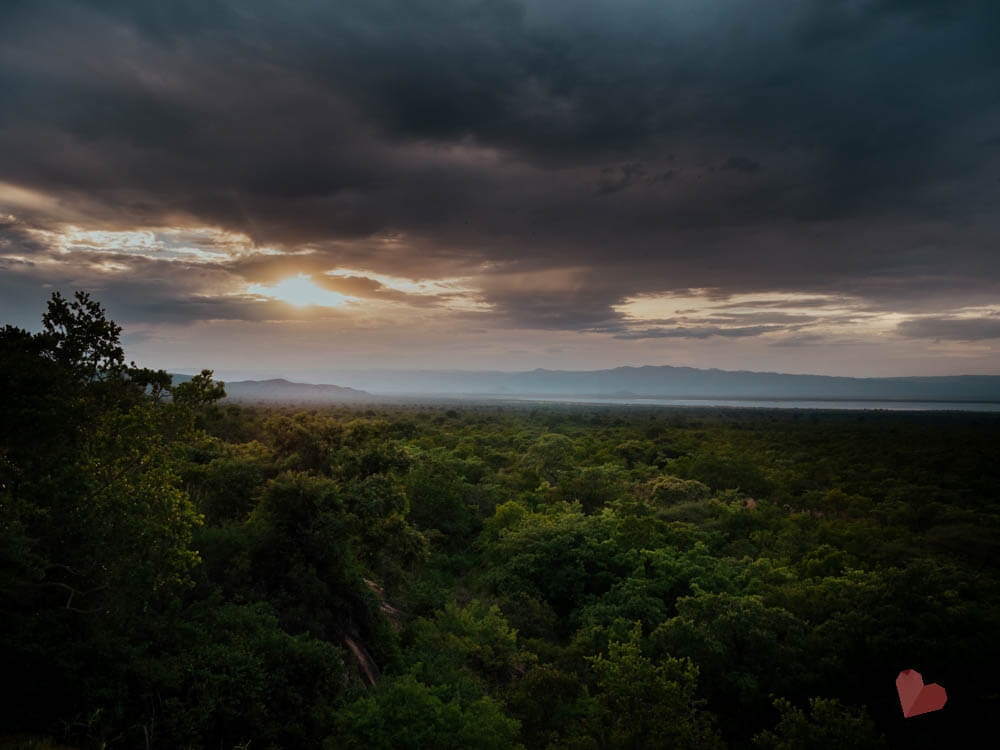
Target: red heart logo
917, 698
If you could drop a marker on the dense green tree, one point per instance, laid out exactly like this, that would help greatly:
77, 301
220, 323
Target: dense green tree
405, 714
439, 497
594, 487
744, 650
96, 526
236, 677
669, 490
476, 638
302, 562
645, 704
226, 488
549, 455
827, 726
562, 557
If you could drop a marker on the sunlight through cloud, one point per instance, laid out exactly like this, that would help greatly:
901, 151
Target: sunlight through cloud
300, 291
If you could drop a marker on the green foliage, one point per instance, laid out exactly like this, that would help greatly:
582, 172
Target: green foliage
552, 706
668, 490
199, 391
828, 726
506, 516
562, 557
176, 573
225, 489
744, 649
385, 541
549, 456
80, 339
239, 677
404, 713
439, 497
594, 487
723, 468
96, 527
476, 638
642, 703
304, 442
300, 562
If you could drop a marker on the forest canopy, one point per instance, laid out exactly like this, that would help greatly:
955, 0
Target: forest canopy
177, 571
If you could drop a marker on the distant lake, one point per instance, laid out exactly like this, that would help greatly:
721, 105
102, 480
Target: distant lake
777, 404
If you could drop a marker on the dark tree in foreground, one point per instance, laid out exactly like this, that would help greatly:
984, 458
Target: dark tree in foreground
95, 530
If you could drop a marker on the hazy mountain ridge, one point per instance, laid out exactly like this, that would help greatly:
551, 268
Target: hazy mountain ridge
673, 382
282, 390
279, 389
623, 382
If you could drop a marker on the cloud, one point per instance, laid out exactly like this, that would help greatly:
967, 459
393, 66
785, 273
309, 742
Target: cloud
802, 340
951, 329
742, 164
561, 157
697, 332
615, 179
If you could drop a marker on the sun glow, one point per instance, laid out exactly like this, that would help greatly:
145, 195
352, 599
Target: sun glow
300, 291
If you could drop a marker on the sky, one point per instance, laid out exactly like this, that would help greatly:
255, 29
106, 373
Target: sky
289, 188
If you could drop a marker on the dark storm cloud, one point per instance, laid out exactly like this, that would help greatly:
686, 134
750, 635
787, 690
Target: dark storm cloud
556, 309
824, 147
237, 307
952, 329
17, 241
613, 179
742, 164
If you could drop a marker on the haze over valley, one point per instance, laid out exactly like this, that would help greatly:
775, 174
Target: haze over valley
621, 384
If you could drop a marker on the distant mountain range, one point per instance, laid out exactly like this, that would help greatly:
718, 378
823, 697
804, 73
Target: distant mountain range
621, 382
280, 390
